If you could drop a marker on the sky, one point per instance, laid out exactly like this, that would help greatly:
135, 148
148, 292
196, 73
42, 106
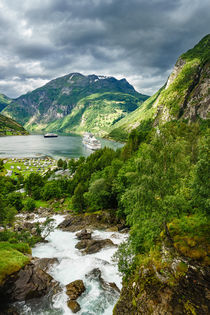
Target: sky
139, 40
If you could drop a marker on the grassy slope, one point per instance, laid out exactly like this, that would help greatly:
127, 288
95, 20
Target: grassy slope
171, 98
174, 96
95, 113
120, 130
10, 127
12, 258
4, 101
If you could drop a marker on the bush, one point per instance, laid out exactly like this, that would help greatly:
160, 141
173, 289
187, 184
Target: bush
15, 199
33, 185
60, 163
30, 204
51, 190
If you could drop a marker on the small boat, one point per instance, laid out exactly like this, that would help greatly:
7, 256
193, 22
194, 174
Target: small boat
50, 135
90, 141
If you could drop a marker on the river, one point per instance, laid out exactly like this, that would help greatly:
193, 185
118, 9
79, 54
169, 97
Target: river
75, 266
36, 145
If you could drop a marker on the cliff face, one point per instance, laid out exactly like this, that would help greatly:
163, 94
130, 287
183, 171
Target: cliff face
177, 289
185, 95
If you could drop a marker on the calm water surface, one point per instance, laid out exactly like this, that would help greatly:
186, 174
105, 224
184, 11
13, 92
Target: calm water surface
36, 145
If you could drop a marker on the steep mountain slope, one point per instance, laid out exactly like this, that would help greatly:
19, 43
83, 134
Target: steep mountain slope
4, 101
186, 94
9, 127
76, 103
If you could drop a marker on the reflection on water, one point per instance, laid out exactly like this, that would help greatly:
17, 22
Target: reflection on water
37, 145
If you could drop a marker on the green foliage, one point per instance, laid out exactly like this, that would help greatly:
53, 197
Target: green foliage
10, 127
33, 185
73, 164
125, 258
201, 184
11, 259
60, 163
160, 187
201, 51
1, 165
78, 201
98, 195
92, 105
51, 190
30, 204
121, 129
15, 199
45, 228
4, 101
173, 97
136, 137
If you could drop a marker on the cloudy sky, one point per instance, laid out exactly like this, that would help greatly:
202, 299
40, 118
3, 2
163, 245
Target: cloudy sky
136, 39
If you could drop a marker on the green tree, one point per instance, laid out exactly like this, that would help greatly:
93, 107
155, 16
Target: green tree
98, 195
30, 204
33, 185
78, 201
155, 195
201, 183
60, 163
15, 199
51, 190
7, 212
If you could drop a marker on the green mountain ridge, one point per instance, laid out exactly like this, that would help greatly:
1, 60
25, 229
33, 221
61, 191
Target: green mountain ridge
76, 103
9, 127
185, 95
4, 101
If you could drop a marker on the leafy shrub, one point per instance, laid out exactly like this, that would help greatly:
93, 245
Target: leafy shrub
30, 204
15, 199
51, 190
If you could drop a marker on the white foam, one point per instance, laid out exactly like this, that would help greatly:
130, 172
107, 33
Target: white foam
73, 266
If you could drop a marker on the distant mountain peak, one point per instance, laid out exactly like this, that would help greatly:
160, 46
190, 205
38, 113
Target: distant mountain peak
76, 102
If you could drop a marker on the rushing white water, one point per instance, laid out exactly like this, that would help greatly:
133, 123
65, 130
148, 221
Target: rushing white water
74, 266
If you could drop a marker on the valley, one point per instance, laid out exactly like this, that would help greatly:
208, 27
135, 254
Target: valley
124, 229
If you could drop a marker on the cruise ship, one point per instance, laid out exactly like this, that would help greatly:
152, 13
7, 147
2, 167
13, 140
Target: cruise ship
50, 135
90, 141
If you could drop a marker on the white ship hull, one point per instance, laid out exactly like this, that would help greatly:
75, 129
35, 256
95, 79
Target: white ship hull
91, 142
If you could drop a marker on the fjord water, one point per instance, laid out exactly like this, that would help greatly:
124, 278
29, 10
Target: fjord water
75, 266
36, 145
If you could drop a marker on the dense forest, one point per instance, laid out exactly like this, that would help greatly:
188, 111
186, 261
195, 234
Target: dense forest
159, 177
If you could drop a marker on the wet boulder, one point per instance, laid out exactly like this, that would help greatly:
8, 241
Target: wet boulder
75, 289
45, 263
27, 283
74, 306
84, 235
95, 275
93, 246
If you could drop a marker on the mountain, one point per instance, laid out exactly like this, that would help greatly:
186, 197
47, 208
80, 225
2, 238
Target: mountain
184, 96
9, 127
76, 103
4, 101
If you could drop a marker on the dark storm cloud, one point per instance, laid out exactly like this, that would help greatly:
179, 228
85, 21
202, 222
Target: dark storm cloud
136, 39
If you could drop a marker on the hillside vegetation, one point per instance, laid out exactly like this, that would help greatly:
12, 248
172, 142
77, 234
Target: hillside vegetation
157, 185
76, 103
4, 101
9, 127
185, 95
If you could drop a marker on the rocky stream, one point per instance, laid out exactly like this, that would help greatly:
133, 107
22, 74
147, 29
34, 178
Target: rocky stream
71, 272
